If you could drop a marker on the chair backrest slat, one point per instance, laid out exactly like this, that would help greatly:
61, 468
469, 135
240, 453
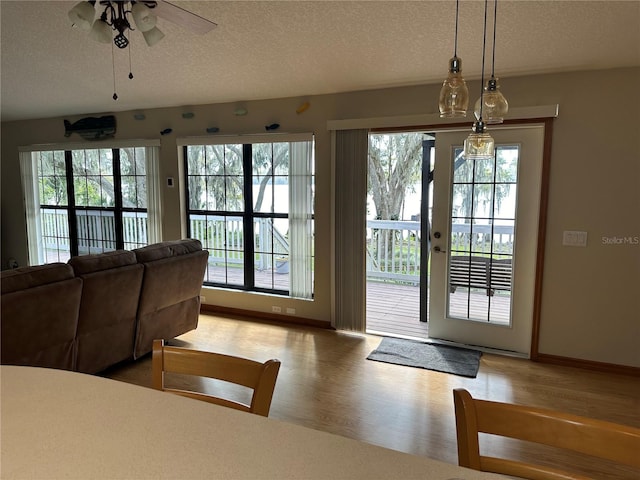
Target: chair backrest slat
606, 440
260, 377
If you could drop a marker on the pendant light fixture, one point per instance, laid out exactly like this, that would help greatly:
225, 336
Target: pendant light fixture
479, 145
495, 106
454, 94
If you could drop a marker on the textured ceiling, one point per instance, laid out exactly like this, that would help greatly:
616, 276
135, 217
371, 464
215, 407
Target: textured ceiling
270, 49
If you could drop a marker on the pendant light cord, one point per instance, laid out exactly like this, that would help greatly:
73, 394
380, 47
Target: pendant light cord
130, 72
493, 57
455, 40
484, 45
113, 65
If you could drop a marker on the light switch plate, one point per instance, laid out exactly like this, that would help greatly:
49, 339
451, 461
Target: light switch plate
573, 238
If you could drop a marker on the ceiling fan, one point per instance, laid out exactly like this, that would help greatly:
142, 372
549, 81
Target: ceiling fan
103, 17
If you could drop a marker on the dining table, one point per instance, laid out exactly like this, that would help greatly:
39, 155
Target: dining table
57, 424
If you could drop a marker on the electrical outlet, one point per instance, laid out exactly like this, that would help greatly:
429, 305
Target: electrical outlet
203, 299
291, 311
276, 309
572, 238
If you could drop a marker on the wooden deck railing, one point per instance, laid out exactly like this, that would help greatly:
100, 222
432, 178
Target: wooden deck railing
96, 230
224, 238
393, 247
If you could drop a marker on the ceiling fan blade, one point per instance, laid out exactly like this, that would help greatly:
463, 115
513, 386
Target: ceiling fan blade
183, 18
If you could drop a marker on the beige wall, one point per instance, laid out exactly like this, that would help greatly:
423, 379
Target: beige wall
591, 296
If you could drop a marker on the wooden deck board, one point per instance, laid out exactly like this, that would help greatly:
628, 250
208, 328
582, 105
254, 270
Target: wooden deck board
394, 309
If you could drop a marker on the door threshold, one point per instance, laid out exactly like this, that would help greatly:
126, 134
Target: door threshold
494, 351
395, 335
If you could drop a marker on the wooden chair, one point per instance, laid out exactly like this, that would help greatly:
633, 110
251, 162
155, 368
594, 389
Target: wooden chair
618, 443
261, 377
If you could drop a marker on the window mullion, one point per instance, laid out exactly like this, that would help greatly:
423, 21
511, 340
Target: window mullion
71, 204
185, 160
248, 237
117, 192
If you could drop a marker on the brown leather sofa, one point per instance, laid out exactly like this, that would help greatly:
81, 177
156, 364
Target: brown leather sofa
99, 310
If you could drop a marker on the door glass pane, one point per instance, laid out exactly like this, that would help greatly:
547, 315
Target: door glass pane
461, 202
482, 237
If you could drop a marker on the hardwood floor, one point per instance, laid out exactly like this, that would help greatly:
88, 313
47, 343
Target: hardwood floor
326, 383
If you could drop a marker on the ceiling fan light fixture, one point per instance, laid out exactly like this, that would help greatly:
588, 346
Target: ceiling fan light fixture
82, 15
101, 32
120, 16
153, 36
143, 17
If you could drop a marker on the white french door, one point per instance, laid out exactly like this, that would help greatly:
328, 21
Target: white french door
484, 240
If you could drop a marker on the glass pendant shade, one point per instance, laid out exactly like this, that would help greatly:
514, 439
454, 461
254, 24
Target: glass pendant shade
454, 94
82, 15
153, 36
479, 145
495, 105
101, 32
143, 17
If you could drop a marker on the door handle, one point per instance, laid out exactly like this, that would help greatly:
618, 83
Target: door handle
438, 250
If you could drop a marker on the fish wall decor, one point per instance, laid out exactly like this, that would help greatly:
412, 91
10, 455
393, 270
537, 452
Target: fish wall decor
92, 128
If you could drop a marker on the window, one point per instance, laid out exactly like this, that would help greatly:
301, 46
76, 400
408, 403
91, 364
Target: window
88, 200
251, 206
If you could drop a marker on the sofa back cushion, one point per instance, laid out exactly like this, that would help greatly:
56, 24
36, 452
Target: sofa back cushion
40, 308
29, 277
107, 321
173, 248
170, 297
84, 264
174, 272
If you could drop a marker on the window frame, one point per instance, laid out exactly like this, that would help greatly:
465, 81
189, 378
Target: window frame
32, 172
248, 215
